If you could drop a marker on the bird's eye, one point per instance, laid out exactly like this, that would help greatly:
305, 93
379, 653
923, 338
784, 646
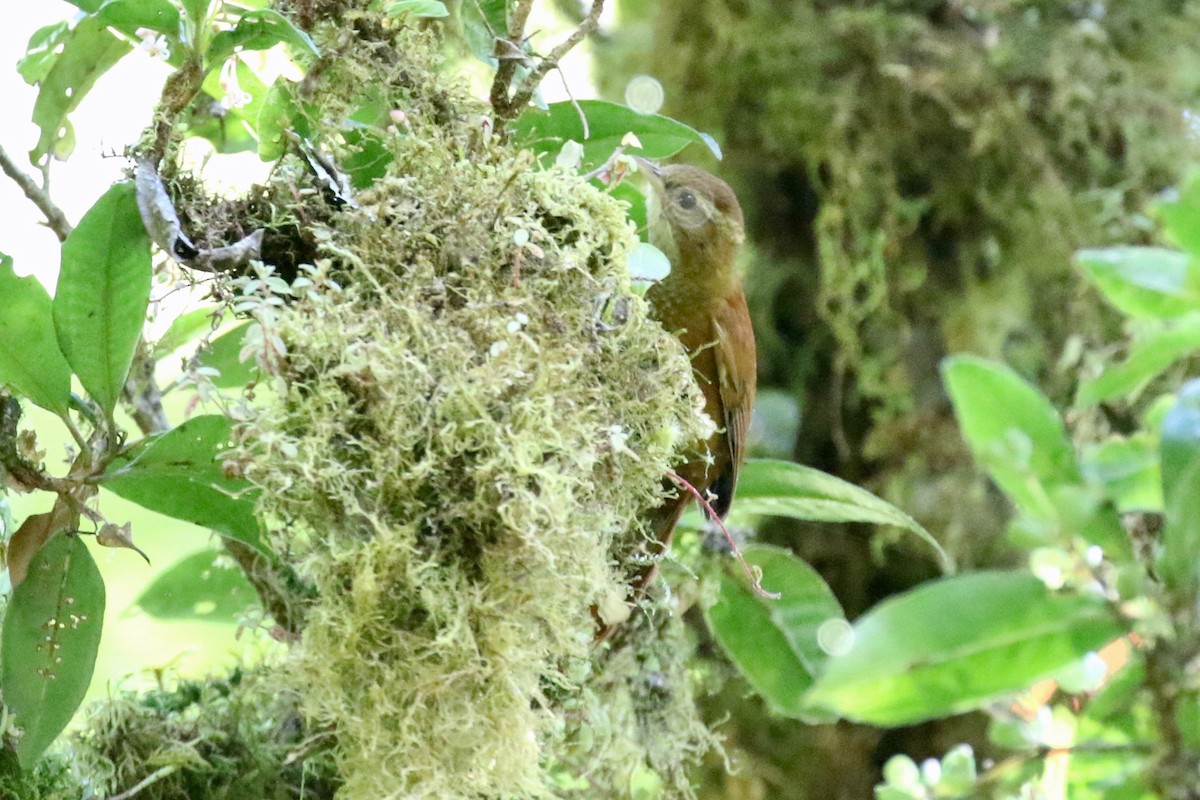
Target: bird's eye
687, 201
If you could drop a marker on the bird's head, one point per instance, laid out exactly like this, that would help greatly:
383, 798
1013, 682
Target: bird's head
693, 216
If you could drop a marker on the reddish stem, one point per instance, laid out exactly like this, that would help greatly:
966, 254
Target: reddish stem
712, 515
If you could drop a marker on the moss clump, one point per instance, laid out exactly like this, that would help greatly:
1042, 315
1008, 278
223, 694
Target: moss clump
220, 739
473, 409
50, 779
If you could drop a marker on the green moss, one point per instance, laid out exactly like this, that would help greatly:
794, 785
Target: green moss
50, 779
473, 409
220, 739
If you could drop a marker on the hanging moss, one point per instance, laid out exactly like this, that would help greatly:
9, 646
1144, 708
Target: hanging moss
473, 409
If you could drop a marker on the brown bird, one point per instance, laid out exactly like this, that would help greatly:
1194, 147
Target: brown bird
695, 220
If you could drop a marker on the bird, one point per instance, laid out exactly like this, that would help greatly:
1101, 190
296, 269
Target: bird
694, 218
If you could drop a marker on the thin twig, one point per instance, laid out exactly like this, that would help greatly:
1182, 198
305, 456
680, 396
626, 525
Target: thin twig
534, 79
56, 220
755, 583
583, 121
505, 107
149, 780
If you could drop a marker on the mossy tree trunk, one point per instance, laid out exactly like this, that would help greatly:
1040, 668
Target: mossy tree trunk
916, 176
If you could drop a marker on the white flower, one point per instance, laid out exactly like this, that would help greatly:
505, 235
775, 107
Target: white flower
234, 96
154, 44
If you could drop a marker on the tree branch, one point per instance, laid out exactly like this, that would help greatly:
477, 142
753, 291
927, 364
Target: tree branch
506, 108
56, 220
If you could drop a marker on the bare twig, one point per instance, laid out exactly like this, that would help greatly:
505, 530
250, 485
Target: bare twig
149, 780
534, 79
506, 108
56, 220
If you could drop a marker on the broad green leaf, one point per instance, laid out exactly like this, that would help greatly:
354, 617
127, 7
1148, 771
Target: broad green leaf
258, 30
418, 8
1128, 469
774, 642
103, 291
1179, 559
957, 644
186, 328
276, 116
1148, 356
783, 489
198, 586
483, 21
87, 53
42, 51
30, 361
1012, 429
545, 131
626, 192
228, 130
1144, 281
1181, 214
129, 15
368, 159
179, 473
48, 647
223, 355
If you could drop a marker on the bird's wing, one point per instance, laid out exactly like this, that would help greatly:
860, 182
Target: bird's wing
737, 377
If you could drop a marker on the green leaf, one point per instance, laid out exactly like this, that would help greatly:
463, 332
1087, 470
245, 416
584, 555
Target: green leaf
628, 193
783, 489
87, 53
1149, 355
129, 15
259, 30
774, 642
186, 328
198, 586
1181, 214
368, 158
48, 647
545, 131
1012, 429
1128, 470
178, 473
30, 361
482, 23
223, 355
418, 8
1144, 281
957, 644
196, 10
275, 117
1179, 559
103, 291
42, 51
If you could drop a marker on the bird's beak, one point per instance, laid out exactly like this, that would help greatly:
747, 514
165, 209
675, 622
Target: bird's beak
653, 173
